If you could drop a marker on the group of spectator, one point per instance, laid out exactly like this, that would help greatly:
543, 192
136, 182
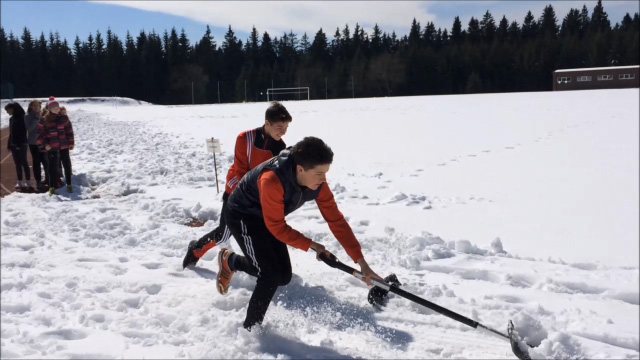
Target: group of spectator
48, 134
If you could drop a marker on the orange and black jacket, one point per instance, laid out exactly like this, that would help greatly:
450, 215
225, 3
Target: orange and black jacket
270, 192
253, 147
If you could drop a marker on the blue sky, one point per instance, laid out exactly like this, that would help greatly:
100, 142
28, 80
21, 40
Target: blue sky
71, 18
81, 18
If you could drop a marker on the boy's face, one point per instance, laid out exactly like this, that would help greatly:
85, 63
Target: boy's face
277, 129
312, 178
9, 111
55, 110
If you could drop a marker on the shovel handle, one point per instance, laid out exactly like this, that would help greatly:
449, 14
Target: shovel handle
333, 261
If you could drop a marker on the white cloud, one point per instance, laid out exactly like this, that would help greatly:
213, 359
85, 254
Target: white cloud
277, 17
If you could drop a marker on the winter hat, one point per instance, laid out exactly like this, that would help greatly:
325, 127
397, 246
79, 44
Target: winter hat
53, 103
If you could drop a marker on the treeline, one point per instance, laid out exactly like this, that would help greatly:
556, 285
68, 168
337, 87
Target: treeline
488, 55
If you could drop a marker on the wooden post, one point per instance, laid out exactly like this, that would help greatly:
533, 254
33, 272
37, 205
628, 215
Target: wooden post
215, 166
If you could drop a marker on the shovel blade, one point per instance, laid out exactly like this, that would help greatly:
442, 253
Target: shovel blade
515, 340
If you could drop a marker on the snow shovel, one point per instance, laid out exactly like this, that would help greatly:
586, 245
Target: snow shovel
393, 286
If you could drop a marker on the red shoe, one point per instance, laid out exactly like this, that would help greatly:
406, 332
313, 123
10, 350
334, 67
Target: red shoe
224, 272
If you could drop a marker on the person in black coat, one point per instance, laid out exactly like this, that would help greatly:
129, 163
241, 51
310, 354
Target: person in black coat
18, 144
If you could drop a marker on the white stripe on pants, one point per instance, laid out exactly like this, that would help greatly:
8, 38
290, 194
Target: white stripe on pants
249, 245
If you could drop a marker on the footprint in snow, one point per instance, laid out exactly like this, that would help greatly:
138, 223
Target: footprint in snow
153, 266
87, 259
65, 334
100, 289
44, 295
153, 289
117, 270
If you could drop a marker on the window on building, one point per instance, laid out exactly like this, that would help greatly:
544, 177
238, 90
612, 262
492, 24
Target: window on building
584, 78
605, 77
626, 76
563, 79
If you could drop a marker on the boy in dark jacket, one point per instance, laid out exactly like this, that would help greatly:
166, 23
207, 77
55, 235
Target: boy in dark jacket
252, 148
18, 144
256, 213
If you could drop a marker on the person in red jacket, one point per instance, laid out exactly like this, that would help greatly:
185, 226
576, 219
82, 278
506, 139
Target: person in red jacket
65, 156
252, 148
54, 134
256, 213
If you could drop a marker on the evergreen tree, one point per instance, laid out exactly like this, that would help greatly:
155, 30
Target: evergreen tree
599, 18
529, 27
571, 24
28, 72
473, 31
414, 34
184, 49
376, 40
585, 21
204, 53
232, 60
304, 44
548, 23
318, 51
487, 27
456, 31
502, 33
429, 35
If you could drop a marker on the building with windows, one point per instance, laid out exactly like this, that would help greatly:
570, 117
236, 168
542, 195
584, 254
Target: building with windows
613, 77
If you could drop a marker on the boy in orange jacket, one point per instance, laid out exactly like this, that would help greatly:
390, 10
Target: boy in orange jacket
256, 211
252, 148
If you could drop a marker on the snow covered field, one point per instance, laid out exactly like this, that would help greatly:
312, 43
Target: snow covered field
433, 187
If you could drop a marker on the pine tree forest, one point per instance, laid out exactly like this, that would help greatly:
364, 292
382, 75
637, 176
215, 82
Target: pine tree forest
486, 55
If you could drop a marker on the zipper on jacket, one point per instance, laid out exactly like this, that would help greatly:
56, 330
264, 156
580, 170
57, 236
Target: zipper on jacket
301, 194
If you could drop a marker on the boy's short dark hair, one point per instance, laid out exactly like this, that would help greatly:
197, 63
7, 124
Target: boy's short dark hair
311, 152
276, 112
8, 106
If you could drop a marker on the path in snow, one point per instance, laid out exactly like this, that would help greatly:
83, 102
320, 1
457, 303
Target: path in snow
97, 274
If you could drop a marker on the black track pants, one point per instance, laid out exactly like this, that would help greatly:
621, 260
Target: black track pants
65, 158
217, 236
38, 163
265, 257
52, 159
20, 160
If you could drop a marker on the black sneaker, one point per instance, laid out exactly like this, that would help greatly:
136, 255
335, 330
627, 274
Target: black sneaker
190, 258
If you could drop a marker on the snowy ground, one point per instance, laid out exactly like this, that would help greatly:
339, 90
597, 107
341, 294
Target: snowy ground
432, 186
